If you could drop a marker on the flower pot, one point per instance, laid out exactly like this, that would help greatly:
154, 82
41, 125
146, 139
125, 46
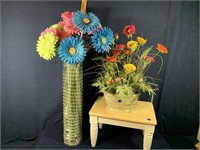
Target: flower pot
72, 103
117, 104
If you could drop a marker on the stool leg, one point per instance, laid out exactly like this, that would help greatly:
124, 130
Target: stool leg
93, 130
100, 125
148, 136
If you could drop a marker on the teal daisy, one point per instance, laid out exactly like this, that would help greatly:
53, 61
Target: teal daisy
86, 22
71, 50
102, 40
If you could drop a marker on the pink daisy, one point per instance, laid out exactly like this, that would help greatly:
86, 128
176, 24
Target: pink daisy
70, 28
61, 24
67, 23
49, 30
60, 31
67, 15
62, 34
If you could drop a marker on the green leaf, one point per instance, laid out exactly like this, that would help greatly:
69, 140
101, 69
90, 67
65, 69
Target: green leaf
123, 91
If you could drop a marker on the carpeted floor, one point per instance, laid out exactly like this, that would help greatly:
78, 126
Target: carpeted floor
110, 137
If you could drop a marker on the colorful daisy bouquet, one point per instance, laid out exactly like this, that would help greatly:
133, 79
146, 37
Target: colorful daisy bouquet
122, 70
72, 37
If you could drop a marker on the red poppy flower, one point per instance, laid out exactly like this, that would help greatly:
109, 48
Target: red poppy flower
111, 58
115, 52
121, 46
162, 48
129, 30
127, 52
149, 58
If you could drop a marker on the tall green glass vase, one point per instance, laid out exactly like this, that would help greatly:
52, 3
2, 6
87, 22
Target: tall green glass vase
72, 103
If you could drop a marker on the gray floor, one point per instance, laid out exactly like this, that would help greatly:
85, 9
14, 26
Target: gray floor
110, 137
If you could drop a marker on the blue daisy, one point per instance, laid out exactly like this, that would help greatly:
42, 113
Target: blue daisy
86, 22
71, 50
102, 40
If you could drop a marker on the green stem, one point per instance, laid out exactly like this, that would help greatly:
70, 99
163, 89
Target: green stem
89, 48
156, 54
81, 36
161, 64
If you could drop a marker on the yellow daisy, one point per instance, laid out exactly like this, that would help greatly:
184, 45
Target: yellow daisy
141, 40
46, 46
129, 68
132, 44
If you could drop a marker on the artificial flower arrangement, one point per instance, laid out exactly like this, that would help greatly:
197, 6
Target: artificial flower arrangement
122, 71
72, 37
123, 68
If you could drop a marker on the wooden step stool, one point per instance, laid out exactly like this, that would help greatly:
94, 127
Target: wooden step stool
142, 117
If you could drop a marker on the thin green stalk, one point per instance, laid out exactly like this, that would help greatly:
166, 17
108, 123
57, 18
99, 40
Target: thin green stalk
161, 65
156, 54
81, 36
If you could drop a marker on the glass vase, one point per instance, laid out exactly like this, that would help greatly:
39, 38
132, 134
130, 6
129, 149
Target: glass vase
117, 104
72, 103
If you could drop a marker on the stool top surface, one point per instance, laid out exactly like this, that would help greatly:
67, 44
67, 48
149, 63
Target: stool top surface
143, 112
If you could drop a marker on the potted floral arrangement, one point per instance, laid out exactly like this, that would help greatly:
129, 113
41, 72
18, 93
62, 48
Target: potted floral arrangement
122, 71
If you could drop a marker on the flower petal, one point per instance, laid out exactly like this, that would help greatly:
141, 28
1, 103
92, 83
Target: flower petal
162, 48
102, 40
71, 50
46, 46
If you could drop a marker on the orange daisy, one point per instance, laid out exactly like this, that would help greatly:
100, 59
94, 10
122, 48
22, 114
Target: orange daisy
149, 58
127, 52
111, 58
161, 48
121, 46
115, 52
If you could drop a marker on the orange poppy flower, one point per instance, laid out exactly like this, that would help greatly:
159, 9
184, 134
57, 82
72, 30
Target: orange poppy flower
111, 58
149, 58
127, 52
161, 48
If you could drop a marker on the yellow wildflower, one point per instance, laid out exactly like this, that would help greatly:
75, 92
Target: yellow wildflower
132, 44
141, 80
129, 68
141, 40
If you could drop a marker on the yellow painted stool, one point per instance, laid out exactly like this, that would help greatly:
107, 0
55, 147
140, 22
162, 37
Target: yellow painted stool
142, 117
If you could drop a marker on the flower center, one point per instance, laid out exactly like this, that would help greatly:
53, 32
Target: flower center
86, 20
103, 40
72, 50
47, 45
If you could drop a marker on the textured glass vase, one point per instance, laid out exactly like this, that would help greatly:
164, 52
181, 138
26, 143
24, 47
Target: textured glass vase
72, 103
